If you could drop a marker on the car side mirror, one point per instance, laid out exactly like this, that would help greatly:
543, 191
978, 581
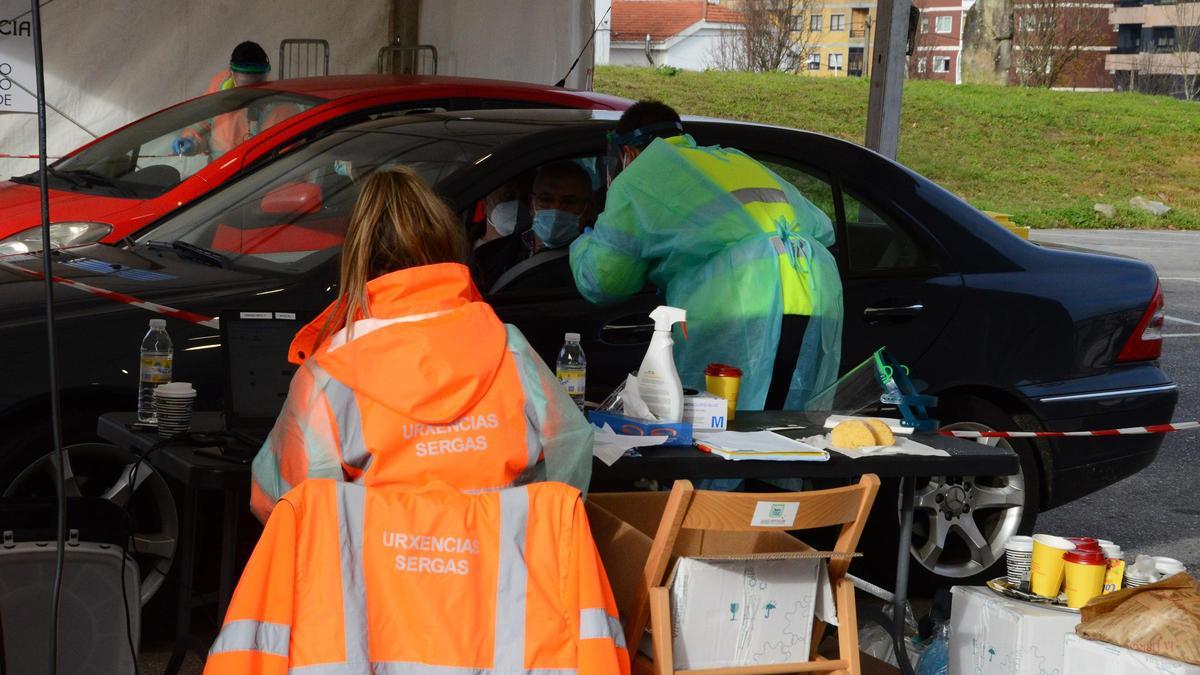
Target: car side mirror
292, 199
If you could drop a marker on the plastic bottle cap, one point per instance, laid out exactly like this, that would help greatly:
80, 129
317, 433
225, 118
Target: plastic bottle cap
1085, 543
722, 370
1084, 557
571, 337
158, 323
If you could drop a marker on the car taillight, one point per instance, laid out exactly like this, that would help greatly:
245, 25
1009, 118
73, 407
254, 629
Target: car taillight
1145, 344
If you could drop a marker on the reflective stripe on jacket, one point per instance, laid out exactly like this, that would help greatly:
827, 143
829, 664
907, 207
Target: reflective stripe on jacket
432, 387
347, 579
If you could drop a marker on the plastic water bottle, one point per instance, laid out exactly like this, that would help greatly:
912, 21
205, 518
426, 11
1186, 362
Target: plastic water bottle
154, 369
572, 368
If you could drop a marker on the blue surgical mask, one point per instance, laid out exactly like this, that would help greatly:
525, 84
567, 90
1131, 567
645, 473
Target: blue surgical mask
555, 228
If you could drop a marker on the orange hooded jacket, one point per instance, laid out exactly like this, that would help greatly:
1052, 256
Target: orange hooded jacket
430, 581
229, 130
432, 387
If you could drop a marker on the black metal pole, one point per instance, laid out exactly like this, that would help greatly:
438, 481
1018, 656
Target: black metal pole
51, 338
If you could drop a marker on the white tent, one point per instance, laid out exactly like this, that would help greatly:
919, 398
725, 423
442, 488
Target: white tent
109, 62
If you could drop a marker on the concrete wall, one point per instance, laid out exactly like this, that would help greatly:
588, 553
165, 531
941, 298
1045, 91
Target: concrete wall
109, 62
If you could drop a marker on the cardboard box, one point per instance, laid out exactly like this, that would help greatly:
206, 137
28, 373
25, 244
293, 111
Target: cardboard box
705, 412
727, 613
680, 433
1089, 657
991, 634
624, 526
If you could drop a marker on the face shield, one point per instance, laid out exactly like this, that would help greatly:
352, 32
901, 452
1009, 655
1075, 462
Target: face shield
638, 138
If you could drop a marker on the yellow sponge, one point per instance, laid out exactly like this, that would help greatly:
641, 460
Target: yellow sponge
883, 433
854, 434
851, 435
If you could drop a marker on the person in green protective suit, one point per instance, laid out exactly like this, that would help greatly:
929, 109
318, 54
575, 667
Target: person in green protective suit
731, 242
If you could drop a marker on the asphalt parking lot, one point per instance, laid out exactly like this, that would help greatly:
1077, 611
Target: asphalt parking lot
1158, 510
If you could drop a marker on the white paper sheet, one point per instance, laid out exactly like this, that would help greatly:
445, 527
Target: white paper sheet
609, 446
761, 445
902, 446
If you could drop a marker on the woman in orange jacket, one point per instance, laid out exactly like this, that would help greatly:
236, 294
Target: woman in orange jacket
409, 377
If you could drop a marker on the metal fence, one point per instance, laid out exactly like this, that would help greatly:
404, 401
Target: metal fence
408, 59
303, 57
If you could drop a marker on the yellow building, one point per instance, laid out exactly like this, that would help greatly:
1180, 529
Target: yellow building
836, 37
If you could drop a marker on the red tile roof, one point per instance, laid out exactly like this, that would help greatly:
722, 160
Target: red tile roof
663, 19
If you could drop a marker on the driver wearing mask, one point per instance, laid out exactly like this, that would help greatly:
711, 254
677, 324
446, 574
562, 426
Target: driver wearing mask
561, 201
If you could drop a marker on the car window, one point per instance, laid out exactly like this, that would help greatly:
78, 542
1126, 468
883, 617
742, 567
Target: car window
514, 248
874, 243
291, 215
877, 243
814, 188
142, 160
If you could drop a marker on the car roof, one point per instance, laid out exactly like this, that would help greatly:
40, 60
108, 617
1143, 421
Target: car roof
338, 86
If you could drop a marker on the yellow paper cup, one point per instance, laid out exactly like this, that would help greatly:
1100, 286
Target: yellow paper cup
1046, 570
724, 381
1084, 572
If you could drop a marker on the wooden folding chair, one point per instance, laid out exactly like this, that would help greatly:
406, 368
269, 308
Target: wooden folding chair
690, 512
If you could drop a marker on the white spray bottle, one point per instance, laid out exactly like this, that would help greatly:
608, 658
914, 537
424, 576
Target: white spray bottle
658, 380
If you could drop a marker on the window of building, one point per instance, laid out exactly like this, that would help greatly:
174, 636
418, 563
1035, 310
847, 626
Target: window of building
944, 24
837, 22
814, 22
924, 24
921, 64
1164, 39
835, 61
941, 64
1027, 22
814, 60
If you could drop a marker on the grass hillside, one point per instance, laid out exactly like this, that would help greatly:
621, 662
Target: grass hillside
1044, 156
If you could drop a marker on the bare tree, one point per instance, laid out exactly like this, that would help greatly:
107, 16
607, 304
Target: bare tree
1186, 18
1050, 35
773, 35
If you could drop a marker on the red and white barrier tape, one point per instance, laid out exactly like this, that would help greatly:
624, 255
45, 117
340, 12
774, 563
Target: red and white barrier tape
181, 314
1128, 431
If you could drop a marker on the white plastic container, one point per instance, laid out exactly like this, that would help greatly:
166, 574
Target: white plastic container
658, 380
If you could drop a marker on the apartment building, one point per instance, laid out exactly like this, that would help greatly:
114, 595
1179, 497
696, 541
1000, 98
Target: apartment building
1158, 47
837, 38
937, 48
1076, 32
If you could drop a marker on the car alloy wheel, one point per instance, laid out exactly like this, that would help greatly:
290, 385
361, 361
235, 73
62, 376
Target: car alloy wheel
961, 523
116, 474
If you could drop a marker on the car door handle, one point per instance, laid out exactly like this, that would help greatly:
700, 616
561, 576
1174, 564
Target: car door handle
893, 312
627, 330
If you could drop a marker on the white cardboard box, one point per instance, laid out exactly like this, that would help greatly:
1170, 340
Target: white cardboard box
705, 412
1089, 657
743, 612
994, 635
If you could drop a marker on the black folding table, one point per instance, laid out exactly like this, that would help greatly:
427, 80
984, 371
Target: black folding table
966, 458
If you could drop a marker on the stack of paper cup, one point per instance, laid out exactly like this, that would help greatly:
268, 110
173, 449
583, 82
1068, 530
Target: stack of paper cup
1167, 567
173, 406
1046, 570
1018, 552
1111, 550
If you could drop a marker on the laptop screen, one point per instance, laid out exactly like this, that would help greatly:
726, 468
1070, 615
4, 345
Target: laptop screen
257, 371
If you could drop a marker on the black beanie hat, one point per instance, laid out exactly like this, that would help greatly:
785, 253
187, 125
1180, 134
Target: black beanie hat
248, 57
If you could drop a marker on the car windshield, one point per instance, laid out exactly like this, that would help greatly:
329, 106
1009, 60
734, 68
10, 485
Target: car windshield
290, 216
144, 160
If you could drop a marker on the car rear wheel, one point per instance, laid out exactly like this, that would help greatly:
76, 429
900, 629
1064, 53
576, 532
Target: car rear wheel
960, 523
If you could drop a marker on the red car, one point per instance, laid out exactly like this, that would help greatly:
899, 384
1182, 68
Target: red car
115, 185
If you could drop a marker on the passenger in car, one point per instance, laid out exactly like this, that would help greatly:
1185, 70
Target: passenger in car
409, 377
561, 202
